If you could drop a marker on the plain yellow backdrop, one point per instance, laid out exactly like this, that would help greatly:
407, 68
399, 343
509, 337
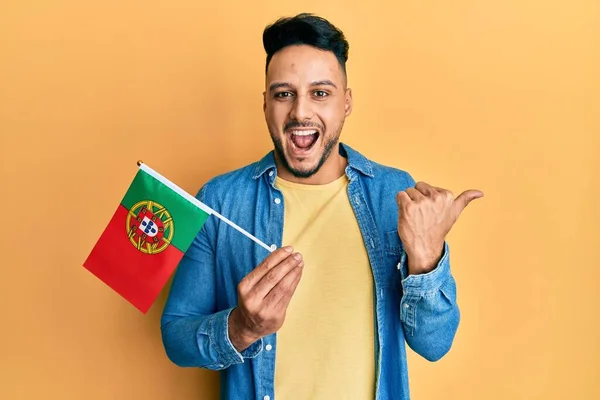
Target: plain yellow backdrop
501, 96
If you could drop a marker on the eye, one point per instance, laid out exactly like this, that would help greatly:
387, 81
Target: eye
321, 93
283, 94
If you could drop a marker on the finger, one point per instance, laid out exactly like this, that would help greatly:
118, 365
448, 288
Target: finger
276, 274
414, 194
266, 265
286, 297
465, 198
283, 292
425, 188
402, 198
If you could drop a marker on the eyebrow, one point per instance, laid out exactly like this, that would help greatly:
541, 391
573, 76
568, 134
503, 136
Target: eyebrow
279, 85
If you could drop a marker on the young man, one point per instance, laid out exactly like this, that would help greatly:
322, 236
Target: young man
360, 264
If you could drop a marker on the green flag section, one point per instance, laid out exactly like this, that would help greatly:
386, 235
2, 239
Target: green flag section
145, 239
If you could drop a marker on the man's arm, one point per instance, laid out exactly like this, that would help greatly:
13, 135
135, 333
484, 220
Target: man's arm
194, 332
428, 309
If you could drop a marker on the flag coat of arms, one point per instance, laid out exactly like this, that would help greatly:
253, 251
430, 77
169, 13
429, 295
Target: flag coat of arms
141, 246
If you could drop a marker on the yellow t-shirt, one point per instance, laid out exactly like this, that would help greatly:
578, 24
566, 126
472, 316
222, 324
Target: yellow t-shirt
325, 348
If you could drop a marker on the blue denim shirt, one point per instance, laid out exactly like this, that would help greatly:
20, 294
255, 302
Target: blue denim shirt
419, 310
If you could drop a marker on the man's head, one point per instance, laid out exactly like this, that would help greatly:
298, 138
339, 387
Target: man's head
306, 99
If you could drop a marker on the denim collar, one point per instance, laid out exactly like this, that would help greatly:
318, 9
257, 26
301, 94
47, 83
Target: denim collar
356, 161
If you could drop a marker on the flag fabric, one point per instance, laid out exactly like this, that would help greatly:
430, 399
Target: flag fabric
141, 246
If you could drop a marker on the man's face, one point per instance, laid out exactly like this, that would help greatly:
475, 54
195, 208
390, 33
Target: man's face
305, 104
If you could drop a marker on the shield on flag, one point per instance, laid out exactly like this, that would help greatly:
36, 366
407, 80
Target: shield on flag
149, 227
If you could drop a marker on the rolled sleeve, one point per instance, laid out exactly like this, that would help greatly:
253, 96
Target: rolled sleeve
430, 281
217, 330
417, 286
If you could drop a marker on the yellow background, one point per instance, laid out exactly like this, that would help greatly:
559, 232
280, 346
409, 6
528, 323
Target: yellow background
501, 96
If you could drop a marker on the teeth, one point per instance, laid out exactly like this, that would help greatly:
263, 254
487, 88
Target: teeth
303, 133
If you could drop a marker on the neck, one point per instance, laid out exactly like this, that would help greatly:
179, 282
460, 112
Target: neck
333, 168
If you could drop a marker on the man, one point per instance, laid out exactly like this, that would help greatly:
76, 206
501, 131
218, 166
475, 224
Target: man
360, 264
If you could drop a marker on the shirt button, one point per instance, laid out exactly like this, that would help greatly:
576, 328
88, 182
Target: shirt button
277, 200
268, 347
406, 306
271, 173
266, 398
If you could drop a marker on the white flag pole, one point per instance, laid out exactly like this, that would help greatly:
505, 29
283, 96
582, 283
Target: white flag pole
198, 203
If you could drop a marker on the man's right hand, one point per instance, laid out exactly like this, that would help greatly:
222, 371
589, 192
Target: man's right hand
263, 297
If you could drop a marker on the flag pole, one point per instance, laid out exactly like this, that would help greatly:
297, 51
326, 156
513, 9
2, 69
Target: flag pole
199, 204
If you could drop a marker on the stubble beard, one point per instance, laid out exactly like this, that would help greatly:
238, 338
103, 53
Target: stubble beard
330, 144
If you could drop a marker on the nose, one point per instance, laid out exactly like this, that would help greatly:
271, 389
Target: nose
301, 109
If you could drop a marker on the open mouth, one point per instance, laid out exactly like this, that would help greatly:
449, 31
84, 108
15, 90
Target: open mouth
303, 140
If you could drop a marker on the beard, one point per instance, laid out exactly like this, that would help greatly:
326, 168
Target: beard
330, 144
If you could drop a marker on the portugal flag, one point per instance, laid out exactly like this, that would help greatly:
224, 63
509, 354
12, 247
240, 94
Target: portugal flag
153, 226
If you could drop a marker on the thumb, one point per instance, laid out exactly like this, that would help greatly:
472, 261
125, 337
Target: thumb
465, 198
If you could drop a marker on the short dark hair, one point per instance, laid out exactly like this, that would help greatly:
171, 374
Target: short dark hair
305, 29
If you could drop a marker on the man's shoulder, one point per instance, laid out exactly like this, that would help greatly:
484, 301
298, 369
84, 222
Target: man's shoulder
389, 172
233, 176
380, 172
230, 182
226, 181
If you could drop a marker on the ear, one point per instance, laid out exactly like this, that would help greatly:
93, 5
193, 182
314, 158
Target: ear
348, 102
264, 101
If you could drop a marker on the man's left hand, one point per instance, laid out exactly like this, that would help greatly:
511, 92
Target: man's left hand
425, 216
